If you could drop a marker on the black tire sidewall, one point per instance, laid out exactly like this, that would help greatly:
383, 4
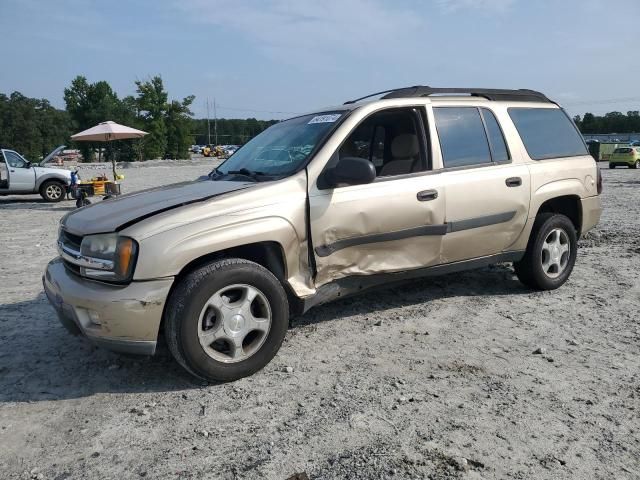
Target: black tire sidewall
538, 275
199, 289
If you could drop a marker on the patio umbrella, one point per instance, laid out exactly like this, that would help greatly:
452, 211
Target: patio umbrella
107, 132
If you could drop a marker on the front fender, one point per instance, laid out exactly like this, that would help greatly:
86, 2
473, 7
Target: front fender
48, 176
166, 254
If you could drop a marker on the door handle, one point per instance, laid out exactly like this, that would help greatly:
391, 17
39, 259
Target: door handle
12, 171
513, 181
426, 195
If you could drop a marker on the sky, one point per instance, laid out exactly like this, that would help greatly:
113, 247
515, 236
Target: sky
272, 59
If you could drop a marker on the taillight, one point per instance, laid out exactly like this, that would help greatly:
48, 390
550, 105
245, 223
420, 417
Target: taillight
599, 183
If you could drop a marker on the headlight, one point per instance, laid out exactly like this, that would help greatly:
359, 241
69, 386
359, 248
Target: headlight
108, 257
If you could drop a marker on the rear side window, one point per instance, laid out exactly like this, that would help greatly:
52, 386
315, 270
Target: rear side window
499, 151
463, 140
622, 150
547, 133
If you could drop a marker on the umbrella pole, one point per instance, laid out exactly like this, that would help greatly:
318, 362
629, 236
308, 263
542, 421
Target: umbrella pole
113, 164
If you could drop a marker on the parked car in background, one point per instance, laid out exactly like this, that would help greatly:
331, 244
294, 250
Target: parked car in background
625, 157
322, 206
19, 176
230, 150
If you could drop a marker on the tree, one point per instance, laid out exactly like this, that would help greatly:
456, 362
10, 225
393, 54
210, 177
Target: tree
178, 120
152, 104
89, 104
31, 126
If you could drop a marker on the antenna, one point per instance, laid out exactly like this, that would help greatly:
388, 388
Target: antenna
215, 121
208, 124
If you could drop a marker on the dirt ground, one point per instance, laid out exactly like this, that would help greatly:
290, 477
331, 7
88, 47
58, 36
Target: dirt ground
432, 379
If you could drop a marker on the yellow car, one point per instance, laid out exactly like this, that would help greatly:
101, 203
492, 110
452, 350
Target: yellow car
625, 156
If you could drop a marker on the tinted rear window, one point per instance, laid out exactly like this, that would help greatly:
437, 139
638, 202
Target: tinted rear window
547, 133
462, 136
499, 151
622, 150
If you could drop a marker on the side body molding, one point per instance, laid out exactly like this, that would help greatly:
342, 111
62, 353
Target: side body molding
441, 229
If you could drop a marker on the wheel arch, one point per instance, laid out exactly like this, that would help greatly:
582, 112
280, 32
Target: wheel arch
268, 254
568, 205
562, 197
50, 177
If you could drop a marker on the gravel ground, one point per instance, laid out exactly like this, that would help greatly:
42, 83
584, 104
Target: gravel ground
433, 379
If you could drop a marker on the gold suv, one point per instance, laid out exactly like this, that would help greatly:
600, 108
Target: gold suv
418, 181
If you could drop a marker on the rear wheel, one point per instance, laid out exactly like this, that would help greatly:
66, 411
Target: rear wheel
636, 164
226, 320
612, 165
551, 253
52, 191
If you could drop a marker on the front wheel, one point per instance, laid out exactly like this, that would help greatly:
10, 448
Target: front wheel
52, 191
226, 320
551, 253
636, 164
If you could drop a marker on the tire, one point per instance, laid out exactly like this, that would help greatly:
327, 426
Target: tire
82, 202
612, 165
636, 164
53, 191
187, 314
531, 269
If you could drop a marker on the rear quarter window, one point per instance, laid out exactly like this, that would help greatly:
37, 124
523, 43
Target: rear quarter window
547, 133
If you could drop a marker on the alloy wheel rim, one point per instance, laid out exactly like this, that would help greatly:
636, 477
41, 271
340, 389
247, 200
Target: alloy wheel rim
555, 253
234, 323
54, 191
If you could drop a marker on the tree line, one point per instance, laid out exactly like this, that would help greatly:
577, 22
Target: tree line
34, 127
612, 122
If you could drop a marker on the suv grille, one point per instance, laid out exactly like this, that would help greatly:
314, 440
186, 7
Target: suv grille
73, 242
70, 239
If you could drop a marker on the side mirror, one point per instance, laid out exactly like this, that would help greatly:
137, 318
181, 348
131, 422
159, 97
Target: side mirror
350, 171
27, 164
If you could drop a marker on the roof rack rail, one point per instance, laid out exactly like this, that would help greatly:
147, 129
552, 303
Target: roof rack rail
520, 95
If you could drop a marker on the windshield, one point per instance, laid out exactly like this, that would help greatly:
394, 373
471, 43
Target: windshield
282, 148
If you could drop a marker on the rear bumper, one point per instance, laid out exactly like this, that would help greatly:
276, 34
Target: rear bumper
591, 211
626, 163
120, 318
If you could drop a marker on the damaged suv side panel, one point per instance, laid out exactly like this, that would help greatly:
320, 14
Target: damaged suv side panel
267, 212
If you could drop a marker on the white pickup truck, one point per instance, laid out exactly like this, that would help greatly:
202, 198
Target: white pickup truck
18, 176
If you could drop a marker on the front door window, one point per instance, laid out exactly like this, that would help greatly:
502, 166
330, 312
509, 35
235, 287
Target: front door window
14, 160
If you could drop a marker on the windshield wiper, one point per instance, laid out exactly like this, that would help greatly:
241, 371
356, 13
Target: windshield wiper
247, 173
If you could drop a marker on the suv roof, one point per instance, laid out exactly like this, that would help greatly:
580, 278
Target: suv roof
520, 95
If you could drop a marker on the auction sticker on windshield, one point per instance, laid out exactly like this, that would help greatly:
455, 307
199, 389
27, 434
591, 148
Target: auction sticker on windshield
325, 118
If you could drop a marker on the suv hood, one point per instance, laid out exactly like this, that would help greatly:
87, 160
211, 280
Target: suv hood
115, 214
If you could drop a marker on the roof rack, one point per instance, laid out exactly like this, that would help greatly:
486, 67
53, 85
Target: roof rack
521, 95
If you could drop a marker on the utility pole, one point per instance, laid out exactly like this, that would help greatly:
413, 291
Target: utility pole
215, 120
208, 124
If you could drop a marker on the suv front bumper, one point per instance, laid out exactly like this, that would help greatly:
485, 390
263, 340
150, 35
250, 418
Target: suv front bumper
122, 318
